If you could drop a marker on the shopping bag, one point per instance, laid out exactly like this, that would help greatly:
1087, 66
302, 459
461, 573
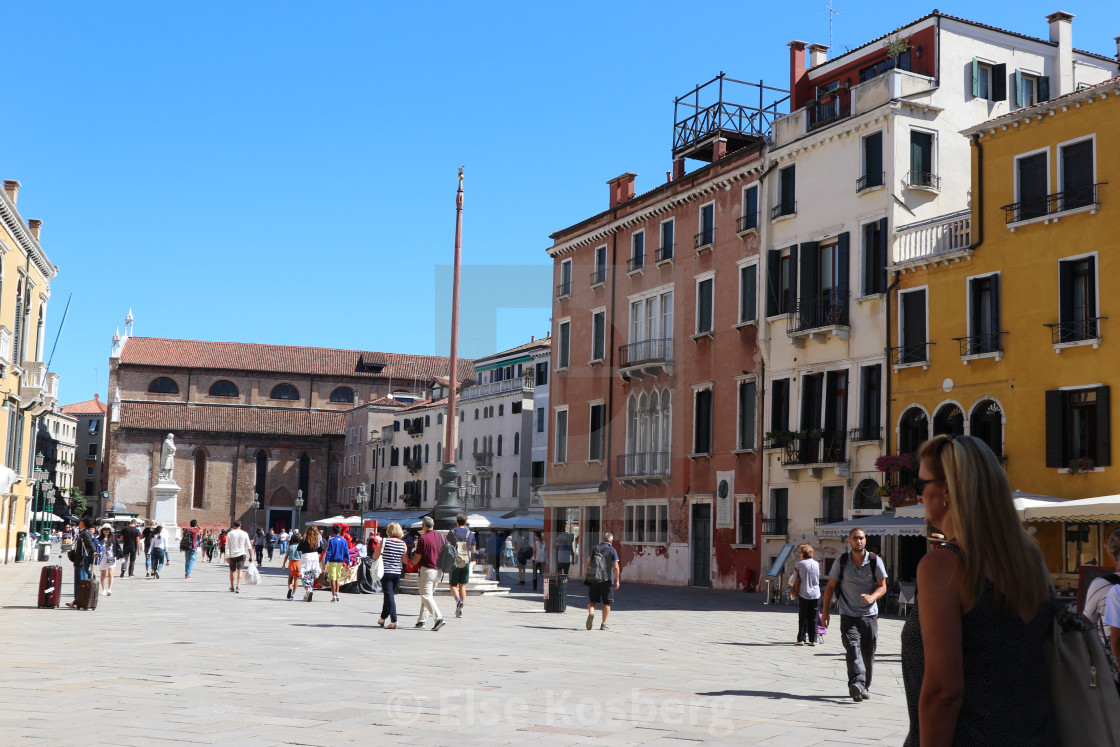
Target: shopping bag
378, 568
252, 574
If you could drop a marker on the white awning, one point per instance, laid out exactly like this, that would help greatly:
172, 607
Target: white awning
882, 524
1103, 508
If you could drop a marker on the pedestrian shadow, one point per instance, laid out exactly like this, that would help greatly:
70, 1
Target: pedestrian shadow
548, 627
774, 695
329, 625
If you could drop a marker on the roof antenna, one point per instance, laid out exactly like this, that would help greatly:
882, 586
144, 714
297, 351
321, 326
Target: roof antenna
831, 13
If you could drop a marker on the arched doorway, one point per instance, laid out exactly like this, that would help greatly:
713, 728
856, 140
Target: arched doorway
948, 420
280, 510
986, 424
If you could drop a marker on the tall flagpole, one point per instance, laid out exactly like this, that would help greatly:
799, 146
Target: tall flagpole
447, 504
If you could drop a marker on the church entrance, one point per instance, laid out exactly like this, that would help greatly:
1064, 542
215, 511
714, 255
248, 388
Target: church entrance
280, 519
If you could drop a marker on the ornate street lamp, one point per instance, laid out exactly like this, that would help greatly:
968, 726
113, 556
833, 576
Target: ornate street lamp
468, 491
299, 507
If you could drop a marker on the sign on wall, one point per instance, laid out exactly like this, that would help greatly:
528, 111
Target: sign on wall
725, 496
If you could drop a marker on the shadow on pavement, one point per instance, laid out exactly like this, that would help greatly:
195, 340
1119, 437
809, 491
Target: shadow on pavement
780, 696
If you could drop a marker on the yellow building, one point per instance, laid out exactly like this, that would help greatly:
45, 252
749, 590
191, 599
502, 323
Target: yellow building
27, 389
1006, 319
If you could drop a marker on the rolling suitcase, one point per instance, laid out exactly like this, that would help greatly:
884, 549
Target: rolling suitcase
50, 586
88, 591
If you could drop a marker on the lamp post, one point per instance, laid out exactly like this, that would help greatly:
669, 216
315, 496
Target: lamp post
299, 507
35, 524
256, 507
468, 490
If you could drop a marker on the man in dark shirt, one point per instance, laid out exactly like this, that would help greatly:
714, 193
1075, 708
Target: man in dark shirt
428, 547
130, 543
84, 551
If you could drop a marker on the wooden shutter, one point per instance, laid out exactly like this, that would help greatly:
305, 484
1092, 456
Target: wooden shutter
792, 272
995, 330
975, 78
1054, 429
873, 159
1065, 292
1043, 88
1104, 439
1018, 88
809, 281
999, 82
773, 287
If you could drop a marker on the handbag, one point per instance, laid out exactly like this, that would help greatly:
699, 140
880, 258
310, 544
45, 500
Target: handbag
378, 568
1083, 695
252, 574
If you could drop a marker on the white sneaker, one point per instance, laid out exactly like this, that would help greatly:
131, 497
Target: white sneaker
108, 592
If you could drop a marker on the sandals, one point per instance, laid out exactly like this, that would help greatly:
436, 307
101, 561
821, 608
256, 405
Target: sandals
391, 626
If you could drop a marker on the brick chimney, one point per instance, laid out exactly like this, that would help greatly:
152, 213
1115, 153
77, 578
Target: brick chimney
622, 189
1061, 33
35, 226
1117, 40
796, 68
818, 54
11, 187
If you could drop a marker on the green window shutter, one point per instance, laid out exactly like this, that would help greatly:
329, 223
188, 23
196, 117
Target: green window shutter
1054, 429
1043, 88
975, 78
999, 82
1018, 88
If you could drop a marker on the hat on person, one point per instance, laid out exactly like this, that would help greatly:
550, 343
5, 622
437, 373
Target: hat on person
107, 526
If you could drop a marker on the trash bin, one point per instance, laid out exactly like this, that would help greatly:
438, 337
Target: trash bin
21, 540
555, 593
44, 551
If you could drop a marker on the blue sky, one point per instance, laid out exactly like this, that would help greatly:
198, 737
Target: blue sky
285, 172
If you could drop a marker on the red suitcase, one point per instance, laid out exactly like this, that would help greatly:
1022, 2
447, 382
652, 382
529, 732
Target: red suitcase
88, 591
50, 586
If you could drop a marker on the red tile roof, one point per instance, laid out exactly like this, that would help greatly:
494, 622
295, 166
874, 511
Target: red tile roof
246, 356
277, 421
388, 402
1042, 106
88, 407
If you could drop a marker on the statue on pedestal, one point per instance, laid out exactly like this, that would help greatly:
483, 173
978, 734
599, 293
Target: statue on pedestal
167, 459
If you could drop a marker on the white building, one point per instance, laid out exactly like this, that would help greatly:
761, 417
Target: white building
869, 155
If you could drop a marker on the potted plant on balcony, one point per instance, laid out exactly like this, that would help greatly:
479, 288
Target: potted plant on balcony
778, 439
1081, 464
896, 46
894, 488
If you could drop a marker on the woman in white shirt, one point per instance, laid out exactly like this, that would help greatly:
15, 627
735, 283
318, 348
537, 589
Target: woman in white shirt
158, 551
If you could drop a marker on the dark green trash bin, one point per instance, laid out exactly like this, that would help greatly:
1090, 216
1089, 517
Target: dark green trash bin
21, 540
555, 593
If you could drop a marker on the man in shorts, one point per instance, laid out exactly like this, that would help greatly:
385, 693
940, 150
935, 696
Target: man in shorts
239, 548
602, 592
338, 554
461, 573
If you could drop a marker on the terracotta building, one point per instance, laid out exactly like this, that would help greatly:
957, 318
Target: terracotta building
89, 475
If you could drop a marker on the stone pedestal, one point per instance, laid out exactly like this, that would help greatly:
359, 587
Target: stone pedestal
165, 510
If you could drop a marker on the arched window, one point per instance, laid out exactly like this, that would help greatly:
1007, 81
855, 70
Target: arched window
476, 413
516, 443
341, 394
867, 495
514, 490
305, 479
987, 425
439, 452
497, 486
654, 425
439, 418
913, 431
262, 472
199, 479
476, 451
499, 444
284, 391
948, 419
501, 409
223, 388
163, 385
643, 423
425, 453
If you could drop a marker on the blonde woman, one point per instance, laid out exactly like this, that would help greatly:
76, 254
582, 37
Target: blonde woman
309, 568
972, 649
806, 587
390, 551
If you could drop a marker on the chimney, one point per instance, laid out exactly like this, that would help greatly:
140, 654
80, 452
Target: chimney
796, 68
1117, 40
818, 54
622, 188
1061, 33
11, 186
34, 226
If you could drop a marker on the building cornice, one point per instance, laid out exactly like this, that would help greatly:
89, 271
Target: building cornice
1073, 100
19, 232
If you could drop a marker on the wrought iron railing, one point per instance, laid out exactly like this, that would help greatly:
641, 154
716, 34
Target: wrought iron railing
912, 353
821, 310
564, 289
867, 433
923, 179
829, 447
747, 222
644, 464
987, 342
775, 527
647, 351
664, 253
1058, 202
783, 208
483, 458
831, 519
1076, 330
870, 180
724, 116
704, 238
832, 108
599, 276
636, 263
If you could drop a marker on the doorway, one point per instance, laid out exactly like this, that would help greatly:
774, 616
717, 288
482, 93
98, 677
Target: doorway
280, 519
701, 543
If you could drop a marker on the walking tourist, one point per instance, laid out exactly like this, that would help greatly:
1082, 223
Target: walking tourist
84, 553
147, 535
309, 561
494, 553
284, 538
130, 544
806, 586
258, 545
158, 551
507, 549
338, 555
465, 542
391, 551
427, 548
564, 542
239, 553
107, 559
222, 546
190, 547
973, 661
1102, 591
539, 556
602, 575
270, 542
859, 579
291, 557
524, 555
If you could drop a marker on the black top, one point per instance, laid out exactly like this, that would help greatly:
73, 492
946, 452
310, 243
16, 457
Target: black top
129, 535
1006, 697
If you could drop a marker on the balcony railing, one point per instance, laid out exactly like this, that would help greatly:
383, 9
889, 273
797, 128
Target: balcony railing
704, 238
747, 222
828, 309
497, 387
868, 181
923, 180
830, 519
775, 527
636, 263
907, 354
657, 350
1052, 204
415, 428
831, 108
1076, 330
645, 464
867, 433
942, 235
564, 289
599, 276
827, 448
783, 208
988, 342
483, 458
664, 253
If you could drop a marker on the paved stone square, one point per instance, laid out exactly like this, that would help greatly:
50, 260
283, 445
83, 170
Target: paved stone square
185, 661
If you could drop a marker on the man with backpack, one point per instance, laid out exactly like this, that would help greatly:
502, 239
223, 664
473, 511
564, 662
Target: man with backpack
859, 578
464, 541
189, 546
602, 575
